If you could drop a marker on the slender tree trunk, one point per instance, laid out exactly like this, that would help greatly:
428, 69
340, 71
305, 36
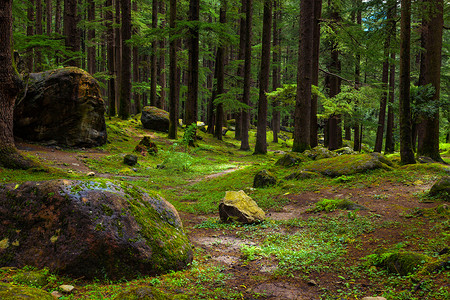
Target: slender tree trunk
315, 72
39, 31
261, 134
91, 40
406, 152
276, 70
49, 16
173, 76
30, 32
432, 28
220, 62
161, 103
389, 143
136, 66
191, 113
302, 132
240, 70
118, 50
71, 32
153, 56
245, 115
125, 81
57, 16
111, 58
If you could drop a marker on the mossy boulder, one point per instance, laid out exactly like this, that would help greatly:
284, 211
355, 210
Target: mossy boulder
146, 145
239, 207
12, 292
403, 263
344, 150
63, 106
130, 159
90, 229
291, 159
319, 152
33, 278
154, 118
144, 293
349, 164
441, 188
299, 175
264, 179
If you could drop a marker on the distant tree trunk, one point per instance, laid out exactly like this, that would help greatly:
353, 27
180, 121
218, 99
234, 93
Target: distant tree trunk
191, 113
30, 32
315, 72
276, 74
125, 81
111, 58
406, 152
240, 70
161, 103
264, 76
10, 85
173, 75
49, 16
432, 28
356, 127
91, 59
118, 49
153, 56
389, 143
71, 32
57, 17
245, 115
220, 62
39, 31
136, 65
302, 117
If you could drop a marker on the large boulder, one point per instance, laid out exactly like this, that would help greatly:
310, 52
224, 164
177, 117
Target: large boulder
64, 106
239, 207
349, 164
441, 188
154, 118
291, 159
263, 179
319, 152
90, 229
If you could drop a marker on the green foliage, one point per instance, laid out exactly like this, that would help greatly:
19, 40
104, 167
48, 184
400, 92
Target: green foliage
189, 135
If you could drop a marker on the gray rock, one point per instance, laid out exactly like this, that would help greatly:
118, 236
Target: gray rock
66, 288
62, 106
155, 119
130, 159
441, 188
264, 179
239, 207
90, 229
302, 175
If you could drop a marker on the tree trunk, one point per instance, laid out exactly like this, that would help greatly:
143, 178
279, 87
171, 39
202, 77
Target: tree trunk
240, 70
125, 80
276, 74
432, 28
30, 32
261, 133
161, 103
71, 32
58, 17
118, 49
49, 16
153, 56
39, 31
406, 152
9, 88
220, 62
302, 132
245, 115
91, 59
315, 72
111, 58
173, 74
136, 64
191, 113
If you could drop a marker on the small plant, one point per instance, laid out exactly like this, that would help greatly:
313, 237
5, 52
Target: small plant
329, 205
189, 135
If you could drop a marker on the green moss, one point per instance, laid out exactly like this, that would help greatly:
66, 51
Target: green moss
11, 292
144, 292
334, 204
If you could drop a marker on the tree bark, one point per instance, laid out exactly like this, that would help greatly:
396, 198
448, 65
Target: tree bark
245, 115
125, 80
302, 132
191, 113
39, 31
432, 28
173, 74
30, 32
261, 133
49, 16
406, 152
161, 103
9, 88
315, 72
276, 70
71, 32
91, 59
111, 58
240, 70
136, 67
153, 56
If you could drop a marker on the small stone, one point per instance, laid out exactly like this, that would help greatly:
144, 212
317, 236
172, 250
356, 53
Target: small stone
65, 288
90, 174
56, 295
312, 282
58, 148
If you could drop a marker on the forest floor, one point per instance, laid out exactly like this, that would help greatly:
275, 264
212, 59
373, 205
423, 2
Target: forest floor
296, 253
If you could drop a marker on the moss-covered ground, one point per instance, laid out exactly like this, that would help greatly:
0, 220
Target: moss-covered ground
308, 248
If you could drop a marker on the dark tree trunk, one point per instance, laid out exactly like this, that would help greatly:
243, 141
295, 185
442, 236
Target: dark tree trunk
315, 71
71, 32
58, 17
240, 70
220, 62
91, 36
125, 80
191, 113
432, 28
136, 64
245, 115
161, 103
406, 152
153, 57
302, 132
111, 58
118, 49
30, 32
9, 88
39, 31
173, 75
276, 70
49, 16
264, 77
389, 143
356, 127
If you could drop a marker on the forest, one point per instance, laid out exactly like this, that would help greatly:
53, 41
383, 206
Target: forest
224, 149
